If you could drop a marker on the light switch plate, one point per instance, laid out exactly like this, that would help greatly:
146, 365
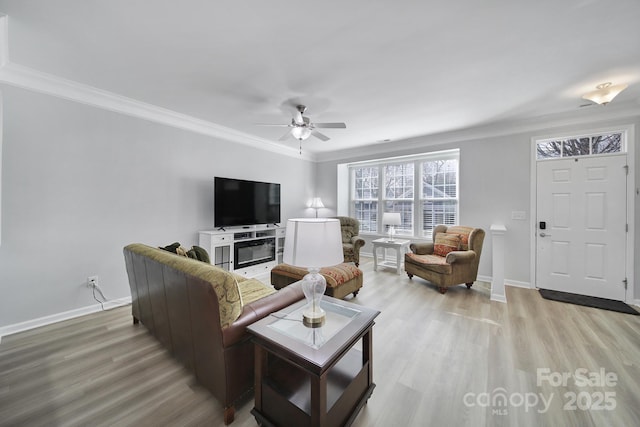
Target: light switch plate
519, 215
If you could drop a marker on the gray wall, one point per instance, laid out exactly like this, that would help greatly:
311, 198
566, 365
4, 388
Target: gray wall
495, 175
79, 183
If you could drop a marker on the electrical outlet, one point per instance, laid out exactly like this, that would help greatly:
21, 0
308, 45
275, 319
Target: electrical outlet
92, 281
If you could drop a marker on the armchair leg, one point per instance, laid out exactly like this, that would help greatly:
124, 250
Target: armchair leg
442, 289
229, 414
410, 275
355, 293
469, 285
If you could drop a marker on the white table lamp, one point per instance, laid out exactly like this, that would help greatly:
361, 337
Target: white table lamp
316, 204
391, 219
313, 243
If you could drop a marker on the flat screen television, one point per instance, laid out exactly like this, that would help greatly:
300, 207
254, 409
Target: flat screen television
239, 202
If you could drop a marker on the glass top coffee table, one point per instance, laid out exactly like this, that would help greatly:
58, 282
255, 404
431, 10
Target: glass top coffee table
313, 376
338, 317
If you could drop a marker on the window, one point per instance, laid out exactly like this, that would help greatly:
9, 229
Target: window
365, 198
439, 193
398, 188
422, 188
580, 146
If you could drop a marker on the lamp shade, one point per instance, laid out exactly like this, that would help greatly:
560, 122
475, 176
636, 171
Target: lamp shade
313, 242
316, 203
391, 218
604, 93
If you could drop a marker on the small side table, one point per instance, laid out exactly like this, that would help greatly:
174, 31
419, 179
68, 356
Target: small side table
401, 247
318, 377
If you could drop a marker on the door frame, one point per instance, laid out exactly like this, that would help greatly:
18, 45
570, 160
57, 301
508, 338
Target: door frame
629, 131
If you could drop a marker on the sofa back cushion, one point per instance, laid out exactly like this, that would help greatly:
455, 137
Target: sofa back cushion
349, 226
253, 290
223, 283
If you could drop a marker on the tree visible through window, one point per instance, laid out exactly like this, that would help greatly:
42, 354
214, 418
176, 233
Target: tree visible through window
581, 146
422, 188
398, 188
365, 198
439, 194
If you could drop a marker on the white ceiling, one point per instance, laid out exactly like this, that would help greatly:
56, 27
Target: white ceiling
390, 70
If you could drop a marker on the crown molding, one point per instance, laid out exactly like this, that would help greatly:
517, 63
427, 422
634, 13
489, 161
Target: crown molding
629, 110
34, 80
28, 78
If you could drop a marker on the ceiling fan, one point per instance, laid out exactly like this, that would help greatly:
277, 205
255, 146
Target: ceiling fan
302, 128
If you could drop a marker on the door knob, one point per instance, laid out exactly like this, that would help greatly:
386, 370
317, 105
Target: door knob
543, 234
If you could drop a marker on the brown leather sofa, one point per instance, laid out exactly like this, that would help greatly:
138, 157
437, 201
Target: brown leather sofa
199, 313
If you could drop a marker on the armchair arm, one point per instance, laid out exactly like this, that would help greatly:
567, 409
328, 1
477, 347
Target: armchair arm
422, 248
357, 242
259, 309
460, 257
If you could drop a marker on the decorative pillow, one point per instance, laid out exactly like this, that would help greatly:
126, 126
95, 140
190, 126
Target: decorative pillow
171, 248
445, 243
199, 253
464, 233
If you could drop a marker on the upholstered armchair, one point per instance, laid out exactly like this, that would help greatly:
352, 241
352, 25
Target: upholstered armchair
351, 241
451, 259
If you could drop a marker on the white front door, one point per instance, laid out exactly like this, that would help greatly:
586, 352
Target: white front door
581, 225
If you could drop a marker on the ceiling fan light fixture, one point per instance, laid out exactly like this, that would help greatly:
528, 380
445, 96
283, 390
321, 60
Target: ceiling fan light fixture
301, 132
604, 93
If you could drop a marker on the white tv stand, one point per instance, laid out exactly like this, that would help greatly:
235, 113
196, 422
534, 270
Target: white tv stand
249, 251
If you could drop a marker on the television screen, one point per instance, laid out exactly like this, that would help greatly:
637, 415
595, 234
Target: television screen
239, 202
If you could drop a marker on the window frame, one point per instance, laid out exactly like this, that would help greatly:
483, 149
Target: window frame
416, 227
590, 137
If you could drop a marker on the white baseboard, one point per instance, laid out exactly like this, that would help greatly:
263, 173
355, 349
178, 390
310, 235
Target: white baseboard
58, 317
482, 278
518, 284
499, 298
507, 282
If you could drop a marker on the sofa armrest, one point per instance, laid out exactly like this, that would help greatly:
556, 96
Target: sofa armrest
460, 257
357, 242
259, 309
422, 248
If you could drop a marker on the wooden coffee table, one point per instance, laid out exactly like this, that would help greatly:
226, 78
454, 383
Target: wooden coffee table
313, 376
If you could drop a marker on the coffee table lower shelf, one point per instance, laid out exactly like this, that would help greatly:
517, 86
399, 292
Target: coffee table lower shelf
287, 392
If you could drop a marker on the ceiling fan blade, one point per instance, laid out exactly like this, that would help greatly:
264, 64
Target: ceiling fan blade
285, 136
271, 124
320, 136
330, 125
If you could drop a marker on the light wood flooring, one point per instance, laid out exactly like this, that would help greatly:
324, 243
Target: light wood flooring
439, 360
